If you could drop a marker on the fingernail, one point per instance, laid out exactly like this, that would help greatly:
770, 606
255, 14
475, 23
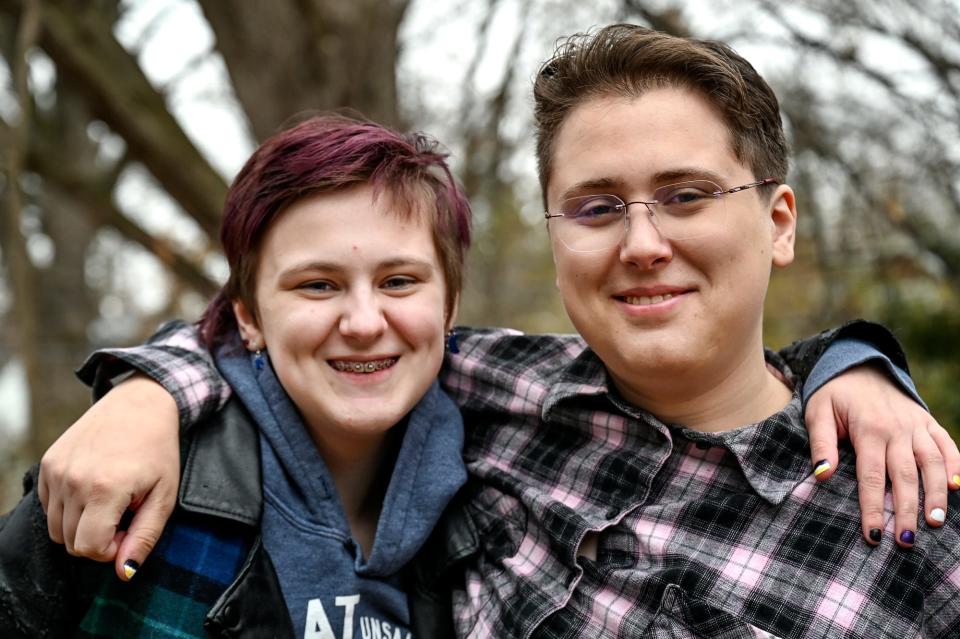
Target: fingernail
938, 515
875, 535
956, 481
907, 537
821, 467
130, 568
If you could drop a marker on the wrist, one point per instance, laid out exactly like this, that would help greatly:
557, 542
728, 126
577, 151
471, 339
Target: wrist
144, 393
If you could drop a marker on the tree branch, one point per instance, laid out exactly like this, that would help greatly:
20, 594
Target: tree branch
88, 57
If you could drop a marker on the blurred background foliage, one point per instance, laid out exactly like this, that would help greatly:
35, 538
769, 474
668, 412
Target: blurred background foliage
121, 124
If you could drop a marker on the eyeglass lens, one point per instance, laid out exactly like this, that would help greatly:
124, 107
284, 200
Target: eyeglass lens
678, 211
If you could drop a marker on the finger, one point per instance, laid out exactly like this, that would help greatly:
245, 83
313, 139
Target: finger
72, 511
902, 467
142, 534
55, 519
951, 455
934, 478
96, 531
871, 483
43, 491
822, 426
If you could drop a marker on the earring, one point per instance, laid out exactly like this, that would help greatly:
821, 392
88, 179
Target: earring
452, 345
258, 356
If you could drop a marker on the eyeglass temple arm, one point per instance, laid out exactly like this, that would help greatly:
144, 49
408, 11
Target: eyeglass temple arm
763, 182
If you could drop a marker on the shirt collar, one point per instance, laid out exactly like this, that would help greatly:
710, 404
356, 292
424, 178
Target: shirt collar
584, 376
772, 454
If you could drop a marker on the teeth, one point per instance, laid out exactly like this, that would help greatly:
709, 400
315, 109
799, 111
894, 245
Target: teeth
364, 368
645, 300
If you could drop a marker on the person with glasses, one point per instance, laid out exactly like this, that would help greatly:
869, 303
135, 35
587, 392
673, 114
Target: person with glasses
649, 476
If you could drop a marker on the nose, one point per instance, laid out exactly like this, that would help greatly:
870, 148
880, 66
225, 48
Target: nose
363, 318
643, 244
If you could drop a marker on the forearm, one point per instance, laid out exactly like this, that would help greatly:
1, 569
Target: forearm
818, 359
176, 359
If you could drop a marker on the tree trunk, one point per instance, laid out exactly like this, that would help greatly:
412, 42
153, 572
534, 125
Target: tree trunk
319, 55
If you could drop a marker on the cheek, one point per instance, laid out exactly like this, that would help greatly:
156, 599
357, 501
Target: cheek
421, 324
298, 329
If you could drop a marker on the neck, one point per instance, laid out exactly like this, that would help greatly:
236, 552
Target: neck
361, 469
712, 400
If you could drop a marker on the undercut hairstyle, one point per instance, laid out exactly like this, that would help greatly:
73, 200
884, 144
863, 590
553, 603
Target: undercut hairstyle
325, 154
625, 60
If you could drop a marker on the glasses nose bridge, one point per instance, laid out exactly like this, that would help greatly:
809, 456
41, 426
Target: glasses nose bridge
650, 206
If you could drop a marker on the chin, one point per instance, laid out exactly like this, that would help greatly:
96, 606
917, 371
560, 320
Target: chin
659, 359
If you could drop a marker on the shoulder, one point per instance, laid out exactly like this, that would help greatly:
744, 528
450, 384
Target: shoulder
508, 348
506, 368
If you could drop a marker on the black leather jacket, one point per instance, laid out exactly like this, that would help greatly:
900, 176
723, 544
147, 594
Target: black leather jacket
44, 592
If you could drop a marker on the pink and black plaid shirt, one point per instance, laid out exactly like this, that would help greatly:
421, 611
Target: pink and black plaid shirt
719, 535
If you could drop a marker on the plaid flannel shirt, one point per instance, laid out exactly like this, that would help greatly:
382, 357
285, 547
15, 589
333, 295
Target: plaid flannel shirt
698, 535
47, 593
188, 571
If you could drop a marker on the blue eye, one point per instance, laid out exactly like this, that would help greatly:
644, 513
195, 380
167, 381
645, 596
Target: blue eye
399, 282
593, 210
686, 198
317, 286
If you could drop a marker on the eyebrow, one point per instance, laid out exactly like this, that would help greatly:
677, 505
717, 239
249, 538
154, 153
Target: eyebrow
337, 267
591, 185
685, 173
679, 174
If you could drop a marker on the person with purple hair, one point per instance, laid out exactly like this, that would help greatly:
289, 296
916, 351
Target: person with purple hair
306, 498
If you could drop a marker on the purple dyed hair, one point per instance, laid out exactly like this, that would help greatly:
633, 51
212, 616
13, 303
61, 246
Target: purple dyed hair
326, 154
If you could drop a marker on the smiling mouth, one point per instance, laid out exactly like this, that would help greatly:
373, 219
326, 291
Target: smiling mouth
644, 300
362, 368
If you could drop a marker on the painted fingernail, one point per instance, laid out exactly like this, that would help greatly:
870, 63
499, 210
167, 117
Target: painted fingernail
875, 534
956, 481
908, 537
821, 467
938, 515
130, 568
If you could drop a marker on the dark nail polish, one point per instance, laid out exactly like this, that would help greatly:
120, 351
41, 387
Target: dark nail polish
907, 537
875, 534
130, 568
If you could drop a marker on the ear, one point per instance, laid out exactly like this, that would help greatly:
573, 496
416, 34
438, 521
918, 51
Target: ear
783, 215
247, 323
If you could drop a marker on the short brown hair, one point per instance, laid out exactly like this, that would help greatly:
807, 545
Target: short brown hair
626, 60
